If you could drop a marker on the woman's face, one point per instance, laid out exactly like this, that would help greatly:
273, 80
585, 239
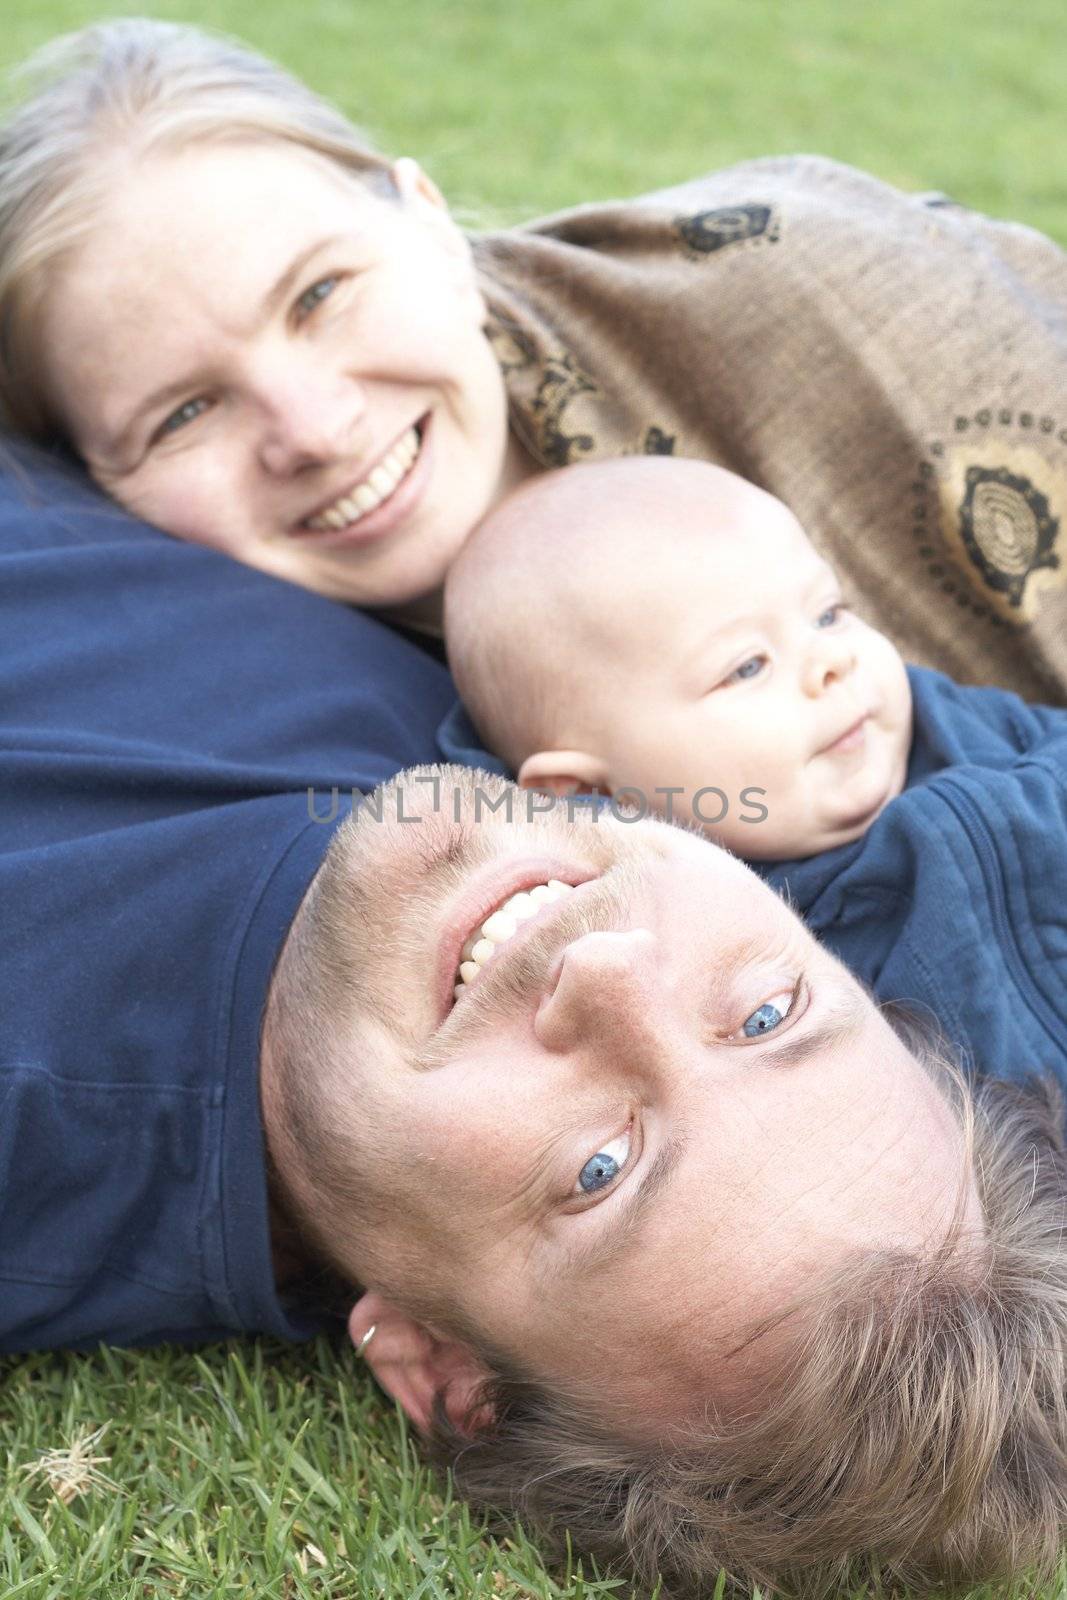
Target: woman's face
254, 352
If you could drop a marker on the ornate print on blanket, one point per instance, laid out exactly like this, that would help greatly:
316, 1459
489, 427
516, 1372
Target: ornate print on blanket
722, 226
561, 411
987, 515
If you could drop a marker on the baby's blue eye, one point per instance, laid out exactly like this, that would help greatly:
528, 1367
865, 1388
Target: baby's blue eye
178, 419
605, 1166
318, 292
768, 1016
747, 669
831, 615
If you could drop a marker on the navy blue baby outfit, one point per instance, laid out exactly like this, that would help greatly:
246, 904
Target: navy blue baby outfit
955, 900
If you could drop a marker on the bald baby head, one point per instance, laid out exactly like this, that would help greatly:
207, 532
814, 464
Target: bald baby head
652, 623
545, 600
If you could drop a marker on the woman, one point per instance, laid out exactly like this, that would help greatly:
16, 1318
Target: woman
234, 369
336, 388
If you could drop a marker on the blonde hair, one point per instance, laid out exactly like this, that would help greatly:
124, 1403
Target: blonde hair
127, 88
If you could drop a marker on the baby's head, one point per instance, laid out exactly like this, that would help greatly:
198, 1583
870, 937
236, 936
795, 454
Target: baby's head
651, 623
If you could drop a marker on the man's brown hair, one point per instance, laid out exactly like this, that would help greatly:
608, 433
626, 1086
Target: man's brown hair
916, 1430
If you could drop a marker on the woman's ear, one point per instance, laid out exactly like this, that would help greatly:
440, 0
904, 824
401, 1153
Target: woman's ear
418, 191
562, 772
414, 184
411, 1363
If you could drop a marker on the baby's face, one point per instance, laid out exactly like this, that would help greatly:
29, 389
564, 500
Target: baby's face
729, 662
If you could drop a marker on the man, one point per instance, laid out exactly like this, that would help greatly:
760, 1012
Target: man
600, 1177
656, 1224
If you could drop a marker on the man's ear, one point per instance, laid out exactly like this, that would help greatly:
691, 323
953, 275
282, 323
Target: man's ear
411, 1363
562, 772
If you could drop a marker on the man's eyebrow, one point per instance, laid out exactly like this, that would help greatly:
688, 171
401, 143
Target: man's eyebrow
601, 1248
268, 305
597, 1252
840, 1027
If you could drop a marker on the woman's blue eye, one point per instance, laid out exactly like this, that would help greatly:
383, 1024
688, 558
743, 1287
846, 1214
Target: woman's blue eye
178, 419
769, 1015
318, 292
605, 1166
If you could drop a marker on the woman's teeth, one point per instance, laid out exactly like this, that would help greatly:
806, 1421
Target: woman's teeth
375, 488
498, 928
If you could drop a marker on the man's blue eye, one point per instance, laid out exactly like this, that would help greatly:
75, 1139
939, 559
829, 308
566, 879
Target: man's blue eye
768, 1016
318, 292
605, 1166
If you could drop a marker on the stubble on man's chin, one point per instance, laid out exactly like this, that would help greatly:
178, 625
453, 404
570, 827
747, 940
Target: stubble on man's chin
397, 876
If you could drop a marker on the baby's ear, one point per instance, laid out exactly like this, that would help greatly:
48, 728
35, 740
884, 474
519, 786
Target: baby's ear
562, 772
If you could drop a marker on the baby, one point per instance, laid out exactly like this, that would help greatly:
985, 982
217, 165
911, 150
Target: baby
654, 624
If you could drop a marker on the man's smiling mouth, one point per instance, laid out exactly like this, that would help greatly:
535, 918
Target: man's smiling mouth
501, 924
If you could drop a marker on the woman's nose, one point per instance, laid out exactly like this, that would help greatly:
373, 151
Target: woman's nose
830, 659
607, 994
310, 421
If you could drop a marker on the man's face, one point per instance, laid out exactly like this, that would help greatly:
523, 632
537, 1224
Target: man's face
656, 1110
730, 662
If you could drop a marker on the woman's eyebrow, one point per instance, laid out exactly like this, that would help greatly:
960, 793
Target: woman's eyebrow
268, 305
279, 289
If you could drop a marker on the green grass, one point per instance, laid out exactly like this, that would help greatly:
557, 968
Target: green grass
250, 1469
245, 1470
520, 106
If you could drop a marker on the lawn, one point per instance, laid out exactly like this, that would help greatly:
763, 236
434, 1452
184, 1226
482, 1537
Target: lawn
253, 1469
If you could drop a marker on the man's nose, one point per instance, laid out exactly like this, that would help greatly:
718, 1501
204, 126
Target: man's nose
607, 994
830, 659
309, 419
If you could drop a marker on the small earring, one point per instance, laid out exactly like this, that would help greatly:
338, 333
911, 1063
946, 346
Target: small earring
366, 1339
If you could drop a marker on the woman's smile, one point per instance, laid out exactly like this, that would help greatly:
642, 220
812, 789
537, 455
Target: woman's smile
370, 490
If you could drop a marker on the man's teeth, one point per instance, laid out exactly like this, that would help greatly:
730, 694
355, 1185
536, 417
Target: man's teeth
498, 928
375, 488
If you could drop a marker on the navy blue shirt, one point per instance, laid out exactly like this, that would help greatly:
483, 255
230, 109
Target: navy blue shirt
457, 739
163, 712
955, 899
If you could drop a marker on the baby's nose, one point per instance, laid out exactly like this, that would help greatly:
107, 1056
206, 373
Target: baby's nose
830, 660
